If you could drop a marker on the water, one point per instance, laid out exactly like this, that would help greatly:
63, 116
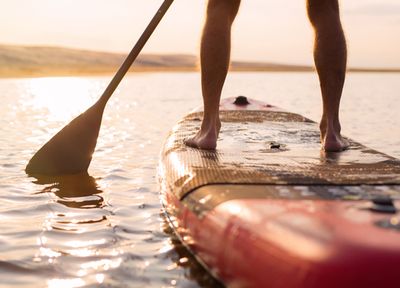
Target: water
108, 229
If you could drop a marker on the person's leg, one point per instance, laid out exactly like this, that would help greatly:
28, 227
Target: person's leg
330, 56
215, 58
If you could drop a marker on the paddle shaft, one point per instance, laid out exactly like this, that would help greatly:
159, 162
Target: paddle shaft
135, 51
70, 150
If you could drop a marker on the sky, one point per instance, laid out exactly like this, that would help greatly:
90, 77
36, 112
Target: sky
265, 30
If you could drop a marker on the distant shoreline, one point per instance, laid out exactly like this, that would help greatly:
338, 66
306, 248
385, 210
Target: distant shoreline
34, 61
174, 70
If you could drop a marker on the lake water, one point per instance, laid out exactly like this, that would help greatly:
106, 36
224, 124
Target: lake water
108, 229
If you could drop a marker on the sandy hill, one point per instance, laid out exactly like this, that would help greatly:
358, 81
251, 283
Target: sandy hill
35, 61
38, 61
23, 61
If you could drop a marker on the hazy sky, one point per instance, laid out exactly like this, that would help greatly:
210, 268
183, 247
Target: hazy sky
265, 30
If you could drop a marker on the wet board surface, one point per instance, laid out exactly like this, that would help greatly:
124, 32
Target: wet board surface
269, 146
269, 191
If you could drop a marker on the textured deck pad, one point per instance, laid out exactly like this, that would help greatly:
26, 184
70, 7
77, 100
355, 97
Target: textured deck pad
268, 147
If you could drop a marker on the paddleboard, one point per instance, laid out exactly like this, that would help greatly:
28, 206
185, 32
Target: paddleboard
268, 208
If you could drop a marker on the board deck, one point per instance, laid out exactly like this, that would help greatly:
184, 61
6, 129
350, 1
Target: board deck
269, 208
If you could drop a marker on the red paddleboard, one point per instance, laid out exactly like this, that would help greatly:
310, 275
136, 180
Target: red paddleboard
268, 208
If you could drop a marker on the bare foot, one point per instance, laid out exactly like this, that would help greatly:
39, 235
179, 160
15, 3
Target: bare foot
331, 139
334, 143
206, 137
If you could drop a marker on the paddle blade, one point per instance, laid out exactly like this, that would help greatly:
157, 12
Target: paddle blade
70, 150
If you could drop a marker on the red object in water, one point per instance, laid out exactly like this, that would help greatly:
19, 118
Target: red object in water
297, 235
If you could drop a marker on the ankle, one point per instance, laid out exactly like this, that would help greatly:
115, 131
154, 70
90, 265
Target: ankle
328, 126
210, 123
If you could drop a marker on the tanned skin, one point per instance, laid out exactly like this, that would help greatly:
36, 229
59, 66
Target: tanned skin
330, 57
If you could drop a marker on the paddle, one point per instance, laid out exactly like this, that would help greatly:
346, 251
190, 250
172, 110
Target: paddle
70, 150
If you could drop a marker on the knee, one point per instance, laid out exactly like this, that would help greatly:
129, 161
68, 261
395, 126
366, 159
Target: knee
223, 8
322, 11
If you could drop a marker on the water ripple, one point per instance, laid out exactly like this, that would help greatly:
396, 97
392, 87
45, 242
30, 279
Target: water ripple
85, 231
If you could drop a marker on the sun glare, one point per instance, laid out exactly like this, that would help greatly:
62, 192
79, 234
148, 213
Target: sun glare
62, 98
67, 283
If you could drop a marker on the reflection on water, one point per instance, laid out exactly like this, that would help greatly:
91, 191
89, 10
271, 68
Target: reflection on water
106, 229
84, 228
78, 228
62, 98
75, 191
184, 259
